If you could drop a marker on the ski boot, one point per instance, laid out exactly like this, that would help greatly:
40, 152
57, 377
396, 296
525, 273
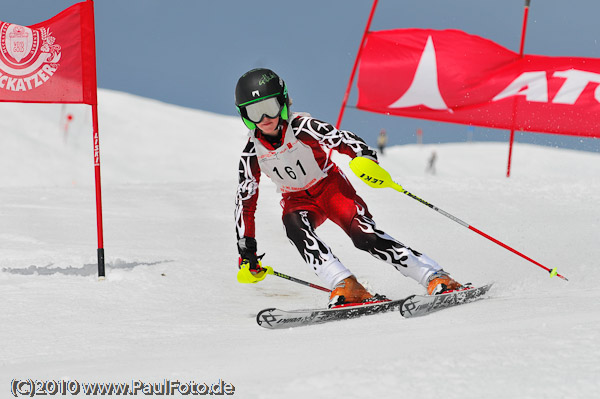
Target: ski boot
440, 282
350, 291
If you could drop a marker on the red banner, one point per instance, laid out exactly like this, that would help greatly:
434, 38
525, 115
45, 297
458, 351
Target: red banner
452, 76
50, 62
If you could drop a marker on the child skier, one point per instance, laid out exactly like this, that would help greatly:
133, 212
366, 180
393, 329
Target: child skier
288, 148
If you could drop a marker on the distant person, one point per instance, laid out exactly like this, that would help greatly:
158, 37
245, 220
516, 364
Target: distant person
287, 147
431, 163
382, 141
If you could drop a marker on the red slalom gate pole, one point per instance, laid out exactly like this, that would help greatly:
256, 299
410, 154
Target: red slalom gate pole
358, 54
101, 268
521, 50
524, 28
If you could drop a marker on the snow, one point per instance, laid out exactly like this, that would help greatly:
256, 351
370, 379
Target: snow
171, 308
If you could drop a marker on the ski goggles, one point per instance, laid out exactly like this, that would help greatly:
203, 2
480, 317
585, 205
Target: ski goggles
255, 112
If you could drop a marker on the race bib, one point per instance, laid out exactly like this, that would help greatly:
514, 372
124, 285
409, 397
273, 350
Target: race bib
292, 167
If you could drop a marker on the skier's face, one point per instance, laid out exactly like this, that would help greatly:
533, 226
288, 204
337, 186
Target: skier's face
269, 125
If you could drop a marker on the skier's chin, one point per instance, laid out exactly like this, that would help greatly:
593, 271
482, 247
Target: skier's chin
269, 126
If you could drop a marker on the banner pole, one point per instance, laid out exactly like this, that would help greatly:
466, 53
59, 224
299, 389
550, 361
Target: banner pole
101, 270
358, 54
96, 135
521, 50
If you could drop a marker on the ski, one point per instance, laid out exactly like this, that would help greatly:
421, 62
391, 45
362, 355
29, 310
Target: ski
411, 306
421, 305
276, 318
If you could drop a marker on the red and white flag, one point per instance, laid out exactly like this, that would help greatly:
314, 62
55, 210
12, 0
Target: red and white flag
452, 76
50, 62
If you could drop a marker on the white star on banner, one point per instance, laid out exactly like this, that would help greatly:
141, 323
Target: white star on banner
424, 89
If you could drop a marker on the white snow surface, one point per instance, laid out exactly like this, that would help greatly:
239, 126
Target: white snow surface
171, 308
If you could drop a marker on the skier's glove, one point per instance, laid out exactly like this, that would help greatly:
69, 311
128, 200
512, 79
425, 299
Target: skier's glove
251, 270
247, 250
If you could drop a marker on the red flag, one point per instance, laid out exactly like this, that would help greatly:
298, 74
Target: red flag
452, 76
50, 62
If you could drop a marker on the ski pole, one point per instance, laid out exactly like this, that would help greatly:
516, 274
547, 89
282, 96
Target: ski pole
375, 176
295, 280
244, 276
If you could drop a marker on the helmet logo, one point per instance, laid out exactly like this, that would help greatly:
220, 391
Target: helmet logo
266, 78
255, 93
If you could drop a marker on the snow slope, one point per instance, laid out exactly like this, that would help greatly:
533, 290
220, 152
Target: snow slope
171, 307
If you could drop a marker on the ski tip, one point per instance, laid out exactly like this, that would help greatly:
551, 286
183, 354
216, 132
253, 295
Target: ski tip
264, 317
407, 300
419, 305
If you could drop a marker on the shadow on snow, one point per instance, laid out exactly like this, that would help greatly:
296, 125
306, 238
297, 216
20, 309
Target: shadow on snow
87, 269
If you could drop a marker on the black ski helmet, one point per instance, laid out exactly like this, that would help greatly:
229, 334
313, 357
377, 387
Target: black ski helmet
258, 85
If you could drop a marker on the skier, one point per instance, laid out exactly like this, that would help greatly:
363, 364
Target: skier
288, 148
431, 163
382, 141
